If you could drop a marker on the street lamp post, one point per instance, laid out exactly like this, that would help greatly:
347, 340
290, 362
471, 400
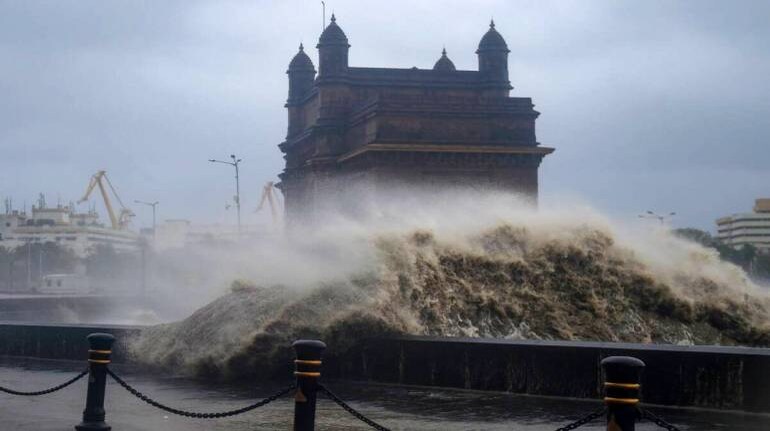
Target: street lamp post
661, 218
234, 164
153, 205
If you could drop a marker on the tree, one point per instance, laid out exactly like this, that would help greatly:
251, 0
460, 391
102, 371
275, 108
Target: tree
756, 264
6, 269
696, 235
23, 267
113, 270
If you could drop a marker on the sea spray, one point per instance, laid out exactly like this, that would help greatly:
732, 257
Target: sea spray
502, 272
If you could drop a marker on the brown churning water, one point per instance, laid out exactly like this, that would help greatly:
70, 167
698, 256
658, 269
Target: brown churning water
474, 266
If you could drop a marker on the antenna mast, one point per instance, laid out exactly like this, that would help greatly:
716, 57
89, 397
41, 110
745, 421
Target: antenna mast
323, 20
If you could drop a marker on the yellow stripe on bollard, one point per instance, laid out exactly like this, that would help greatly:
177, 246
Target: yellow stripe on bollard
306, 362
306, 374
610, 400
622, 385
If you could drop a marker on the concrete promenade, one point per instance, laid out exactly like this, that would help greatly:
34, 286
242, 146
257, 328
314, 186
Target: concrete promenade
403, 408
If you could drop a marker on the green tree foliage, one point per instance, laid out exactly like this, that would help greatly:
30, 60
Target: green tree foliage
22, 268
696, 235
113, 270
6, 269
102, 261
756, 264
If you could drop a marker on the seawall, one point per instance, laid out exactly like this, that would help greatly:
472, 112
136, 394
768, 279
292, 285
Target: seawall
705, 376
49, 341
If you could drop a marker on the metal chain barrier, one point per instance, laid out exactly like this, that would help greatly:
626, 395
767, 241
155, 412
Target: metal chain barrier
45, 391
184, 413
351, 410
646, 414
584, 420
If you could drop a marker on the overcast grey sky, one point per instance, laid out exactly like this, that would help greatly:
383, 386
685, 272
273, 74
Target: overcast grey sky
659, 105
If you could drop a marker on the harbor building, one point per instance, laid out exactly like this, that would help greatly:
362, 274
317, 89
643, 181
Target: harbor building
752, 228
79, 232
369, 127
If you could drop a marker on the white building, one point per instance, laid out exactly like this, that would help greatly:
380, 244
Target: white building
751, 228
79, 232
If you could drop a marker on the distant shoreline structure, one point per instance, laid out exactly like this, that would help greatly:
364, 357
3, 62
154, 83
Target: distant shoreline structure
62, 225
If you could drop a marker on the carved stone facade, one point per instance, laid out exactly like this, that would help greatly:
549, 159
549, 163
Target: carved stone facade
425, 127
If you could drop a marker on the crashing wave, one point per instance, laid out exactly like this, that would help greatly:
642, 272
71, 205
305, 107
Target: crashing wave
542, 277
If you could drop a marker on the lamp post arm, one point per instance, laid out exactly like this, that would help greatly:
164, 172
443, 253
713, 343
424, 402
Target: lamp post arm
221, 161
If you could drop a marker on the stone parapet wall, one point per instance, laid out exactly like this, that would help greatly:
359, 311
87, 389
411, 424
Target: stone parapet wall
50, 341
735, 378
704, 376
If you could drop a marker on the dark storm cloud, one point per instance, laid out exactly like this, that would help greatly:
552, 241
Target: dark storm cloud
652, 105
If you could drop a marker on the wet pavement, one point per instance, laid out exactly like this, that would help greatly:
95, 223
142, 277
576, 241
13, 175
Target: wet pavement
398, 408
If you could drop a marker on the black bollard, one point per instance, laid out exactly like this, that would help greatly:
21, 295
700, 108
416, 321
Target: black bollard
622, 375
308, 371
98, 358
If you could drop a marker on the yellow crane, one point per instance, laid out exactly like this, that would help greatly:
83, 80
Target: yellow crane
269, 196
119, 221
